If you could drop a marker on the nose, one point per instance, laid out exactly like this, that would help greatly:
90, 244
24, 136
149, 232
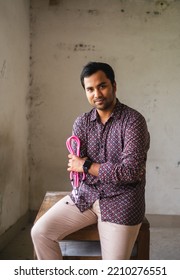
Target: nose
97, 93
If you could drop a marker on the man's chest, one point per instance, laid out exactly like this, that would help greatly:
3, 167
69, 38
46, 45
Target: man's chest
105, 142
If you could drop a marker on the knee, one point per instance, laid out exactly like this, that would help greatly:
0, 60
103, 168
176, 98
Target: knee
41, 229
35, 232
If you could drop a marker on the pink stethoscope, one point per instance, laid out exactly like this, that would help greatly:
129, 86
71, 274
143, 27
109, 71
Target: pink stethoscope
74, 176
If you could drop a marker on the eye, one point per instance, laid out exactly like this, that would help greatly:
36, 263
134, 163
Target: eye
89, 90
103, 86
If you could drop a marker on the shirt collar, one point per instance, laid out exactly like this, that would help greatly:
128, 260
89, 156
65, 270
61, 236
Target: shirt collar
115, 113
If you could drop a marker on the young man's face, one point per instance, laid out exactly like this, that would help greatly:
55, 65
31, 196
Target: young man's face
100, 93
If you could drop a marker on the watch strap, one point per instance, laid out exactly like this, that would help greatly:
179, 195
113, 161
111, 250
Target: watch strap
87, 164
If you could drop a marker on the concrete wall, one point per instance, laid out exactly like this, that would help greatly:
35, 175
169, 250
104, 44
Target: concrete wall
14, 84
141, 40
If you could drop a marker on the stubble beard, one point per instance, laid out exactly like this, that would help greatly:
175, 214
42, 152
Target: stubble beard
106, 104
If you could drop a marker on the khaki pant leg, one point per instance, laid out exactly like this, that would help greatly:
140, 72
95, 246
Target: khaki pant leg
117, 241
60, 220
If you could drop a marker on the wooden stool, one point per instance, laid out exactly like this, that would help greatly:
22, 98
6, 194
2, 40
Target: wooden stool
85, 244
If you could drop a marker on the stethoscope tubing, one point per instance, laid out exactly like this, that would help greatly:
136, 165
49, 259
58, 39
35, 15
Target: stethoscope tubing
74, 176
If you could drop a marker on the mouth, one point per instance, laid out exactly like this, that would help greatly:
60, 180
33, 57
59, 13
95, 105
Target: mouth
99, 101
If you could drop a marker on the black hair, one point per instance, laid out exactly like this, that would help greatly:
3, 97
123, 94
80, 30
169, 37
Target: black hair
93, 67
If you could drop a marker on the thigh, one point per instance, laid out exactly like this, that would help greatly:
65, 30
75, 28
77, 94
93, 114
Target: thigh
64, 218
117, 241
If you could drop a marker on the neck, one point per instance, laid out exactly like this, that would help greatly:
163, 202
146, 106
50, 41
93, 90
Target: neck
105, 114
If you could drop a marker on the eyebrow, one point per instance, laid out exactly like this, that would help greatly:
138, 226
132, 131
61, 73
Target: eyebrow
101, 84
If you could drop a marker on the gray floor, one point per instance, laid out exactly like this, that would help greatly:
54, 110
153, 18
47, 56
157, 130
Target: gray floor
164, 245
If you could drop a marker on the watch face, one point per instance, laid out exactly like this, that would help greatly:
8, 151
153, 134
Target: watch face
87, 165
85, 169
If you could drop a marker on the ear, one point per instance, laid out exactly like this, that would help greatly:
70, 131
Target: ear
114, 87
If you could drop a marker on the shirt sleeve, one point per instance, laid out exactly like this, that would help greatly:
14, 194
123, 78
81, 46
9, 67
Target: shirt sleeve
80, 132
131, 166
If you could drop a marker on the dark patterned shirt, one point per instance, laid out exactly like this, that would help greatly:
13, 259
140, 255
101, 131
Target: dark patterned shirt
120, 146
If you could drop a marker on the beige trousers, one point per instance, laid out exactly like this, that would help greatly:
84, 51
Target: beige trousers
64, 217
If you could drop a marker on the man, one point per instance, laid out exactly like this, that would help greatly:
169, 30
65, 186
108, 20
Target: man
114, 144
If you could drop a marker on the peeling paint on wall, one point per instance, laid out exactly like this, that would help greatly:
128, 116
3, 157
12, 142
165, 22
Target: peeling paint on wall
75, 47
84, 47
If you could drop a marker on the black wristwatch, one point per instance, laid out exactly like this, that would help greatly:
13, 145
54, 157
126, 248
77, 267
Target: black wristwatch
87, 165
